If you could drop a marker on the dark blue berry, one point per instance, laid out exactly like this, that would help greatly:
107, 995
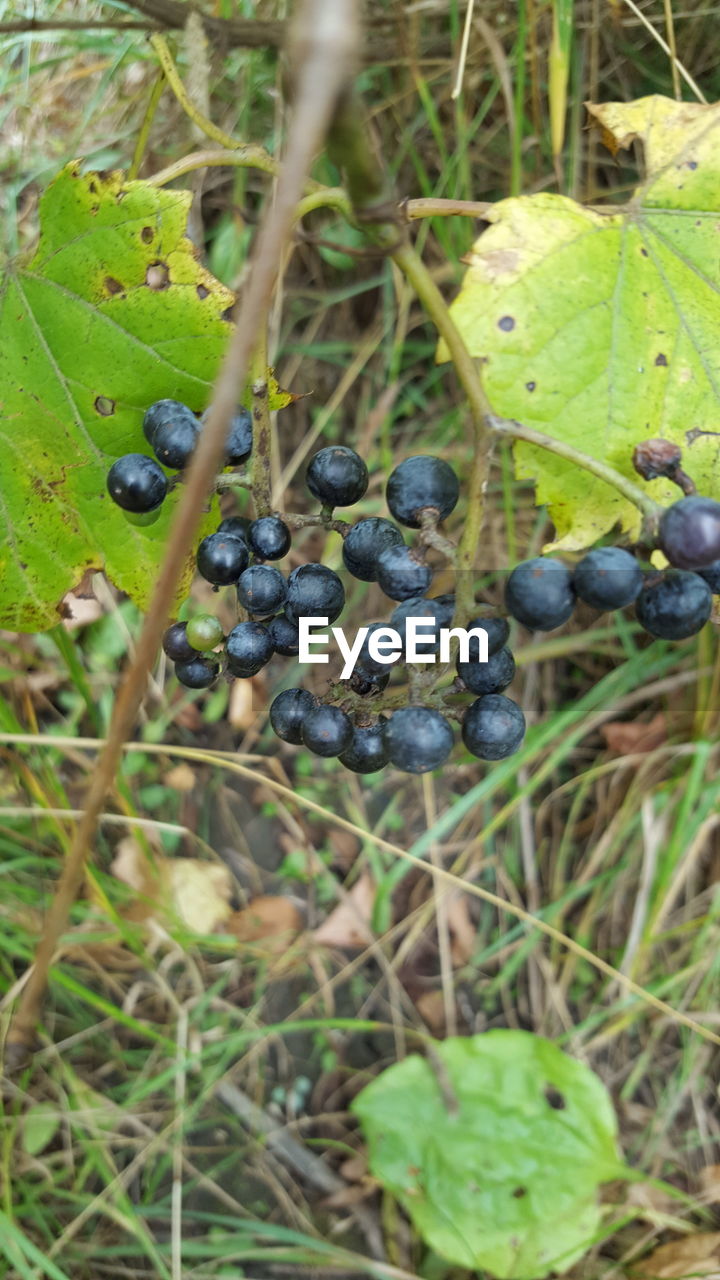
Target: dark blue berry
199, 673
236, 525
488, 677
337, 476
493, 727
176, 644
240, 436
164, 412
248, 647
689, 532
314, 591
261, 590
674, 605
221, 558
497, 632
401, 574
287, 714
174, 442
368, 750
434, 615
711, 574
137, 483
418, 739
364, 543
540, 594
269, 537
608, 578
422, 483
284, 636
327, 731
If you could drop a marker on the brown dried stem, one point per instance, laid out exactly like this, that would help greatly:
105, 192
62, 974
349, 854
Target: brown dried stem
326, 39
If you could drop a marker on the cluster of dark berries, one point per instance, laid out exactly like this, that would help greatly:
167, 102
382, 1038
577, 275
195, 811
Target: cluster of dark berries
137, 482
421, 492
413, 738
670, 605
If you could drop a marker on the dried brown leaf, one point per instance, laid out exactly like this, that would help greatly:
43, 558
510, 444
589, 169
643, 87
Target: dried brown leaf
272, 921
631, 737
349, 924
682, 1259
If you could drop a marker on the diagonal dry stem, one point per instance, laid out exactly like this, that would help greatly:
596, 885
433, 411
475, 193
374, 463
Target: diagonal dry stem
325, 44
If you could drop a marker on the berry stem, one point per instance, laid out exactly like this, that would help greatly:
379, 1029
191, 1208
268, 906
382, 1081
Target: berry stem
649, 508
260, 462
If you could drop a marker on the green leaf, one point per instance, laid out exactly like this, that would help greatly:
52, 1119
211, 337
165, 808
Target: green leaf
40, 1124
603, 329
112, 312
507, 1183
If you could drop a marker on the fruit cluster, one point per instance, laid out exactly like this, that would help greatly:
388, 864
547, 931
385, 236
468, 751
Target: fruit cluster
421, 492
137, 482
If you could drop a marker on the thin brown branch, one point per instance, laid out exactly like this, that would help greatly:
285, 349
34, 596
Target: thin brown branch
324, 45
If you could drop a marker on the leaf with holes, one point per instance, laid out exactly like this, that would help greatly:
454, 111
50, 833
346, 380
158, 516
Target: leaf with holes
112, 312
603, 328
507, 1182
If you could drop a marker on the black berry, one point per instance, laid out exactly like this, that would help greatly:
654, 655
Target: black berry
497, 631
236, 525
199, 673
674, 605
337, 476
287, 713
221, 558
137, 483
284, 635
164, 412
539, 593
608, 578
269, 537
401, 574
422, 483
367, 751
248, 647
689, 532
176, 644
240, 438
314, 591
261, 590
364, 543
493, 727
327, 731
711, 574
434, 616
418, 739
172, 431
488, 677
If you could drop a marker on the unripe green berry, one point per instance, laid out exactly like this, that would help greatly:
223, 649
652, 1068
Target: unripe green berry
204, 632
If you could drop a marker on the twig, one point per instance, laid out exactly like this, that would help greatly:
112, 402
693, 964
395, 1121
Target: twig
260, 462
650, 509
325, 42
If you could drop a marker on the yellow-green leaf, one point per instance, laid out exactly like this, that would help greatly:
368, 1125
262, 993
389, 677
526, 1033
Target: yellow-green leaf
603, 329
111, 312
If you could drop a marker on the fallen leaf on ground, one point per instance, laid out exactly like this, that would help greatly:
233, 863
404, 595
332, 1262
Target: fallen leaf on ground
630, 737
462, 930
431, 1007
690, 1256
196, 892
710, 1183
272, 921
349, 924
